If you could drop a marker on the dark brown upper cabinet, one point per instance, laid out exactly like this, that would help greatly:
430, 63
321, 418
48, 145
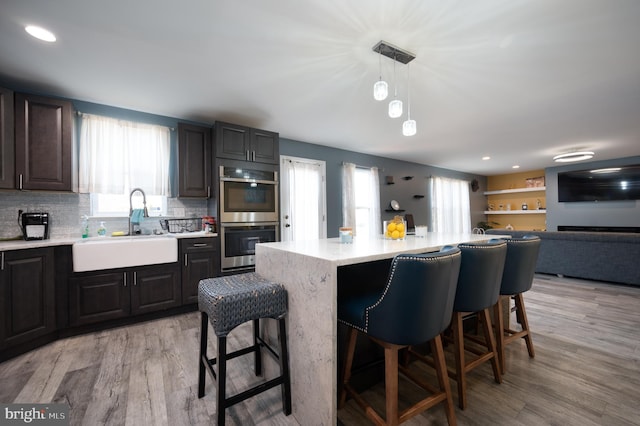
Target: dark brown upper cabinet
7, 159
243, 143
194, 161
43, 143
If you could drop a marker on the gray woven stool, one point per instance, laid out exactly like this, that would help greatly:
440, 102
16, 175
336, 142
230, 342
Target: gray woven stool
228, 302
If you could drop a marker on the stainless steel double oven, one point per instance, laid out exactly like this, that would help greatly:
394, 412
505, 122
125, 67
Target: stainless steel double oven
248, 214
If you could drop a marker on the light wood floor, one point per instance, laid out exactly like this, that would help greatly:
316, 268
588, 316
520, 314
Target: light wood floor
586, 371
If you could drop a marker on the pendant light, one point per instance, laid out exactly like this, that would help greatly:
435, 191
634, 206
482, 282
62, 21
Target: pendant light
409, 126
395, 106
380, 88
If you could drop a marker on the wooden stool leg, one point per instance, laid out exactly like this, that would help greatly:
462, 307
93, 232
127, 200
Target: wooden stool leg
499, 332
256, 345
284, 368
491, 344
521, 312
461, 377
346, 368
222, 379
204, 324
391, 384
443, 377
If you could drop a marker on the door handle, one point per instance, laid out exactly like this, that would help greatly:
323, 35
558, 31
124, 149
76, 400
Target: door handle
287, 225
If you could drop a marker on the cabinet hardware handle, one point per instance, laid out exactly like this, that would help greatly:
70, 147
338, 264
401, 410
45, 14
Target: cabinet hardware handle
246, 155
2, 262
135, 278
185, 259
20, 179
124, 275
253, 156
208, 191
200, 245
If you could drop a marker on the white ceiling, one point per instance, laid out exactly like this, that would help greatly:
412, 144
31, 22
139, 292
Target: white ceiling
520, 81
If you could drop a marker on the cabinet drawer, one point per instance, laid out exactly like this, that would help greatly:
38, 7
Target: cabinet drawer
191, 245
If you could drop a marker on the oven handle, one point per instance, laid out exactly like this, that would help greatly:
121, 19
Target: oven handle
229, 179
235, 224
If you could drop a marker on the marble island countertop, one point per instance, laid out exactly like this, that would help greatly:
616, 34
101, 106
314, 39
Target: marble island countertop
64, 241
365, 249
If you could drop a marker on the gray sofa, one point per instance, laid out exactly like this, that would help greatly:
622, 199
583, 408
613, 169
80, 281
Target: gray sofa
602, 256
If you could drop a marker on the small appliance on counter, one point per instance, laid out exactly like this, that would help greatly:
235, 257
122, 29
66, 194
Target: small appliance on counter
35, 226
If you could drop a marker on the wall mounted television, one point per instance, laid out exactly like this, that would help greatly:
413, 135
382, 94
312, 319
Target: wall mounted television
603, 184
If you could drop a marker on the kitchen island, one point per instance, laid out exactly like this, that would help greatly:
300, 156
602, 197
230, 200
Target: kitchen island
309, 271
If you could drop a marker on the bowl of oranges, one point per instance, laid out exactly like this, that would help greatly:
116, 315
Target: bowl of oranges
395, 229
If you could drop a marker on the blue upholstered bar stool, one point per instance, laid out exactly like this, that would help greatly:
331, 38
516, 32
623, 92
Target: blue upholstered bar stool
519, 269
414, 307
228, 302
478, 291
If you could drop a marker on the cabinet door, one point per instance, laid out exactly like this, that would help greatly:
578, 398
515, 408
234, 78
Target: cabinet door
43, 131
265, 147
27, 295
7, 160
200, 260
194, 161
155, 288
232, 141
98, 297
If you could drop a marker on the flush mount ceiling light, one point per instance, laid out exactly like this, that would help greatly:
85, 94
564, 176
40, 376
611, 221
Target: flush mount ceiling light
380, 88
573, 156
40, 33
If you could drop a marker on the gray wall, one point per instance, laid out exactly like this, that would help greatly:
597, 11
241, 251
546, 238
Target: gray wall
66, 209
401, 191
604, 213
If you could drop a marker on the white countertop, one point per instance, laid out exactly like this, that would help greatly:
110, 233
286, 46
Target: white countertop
22, 244
368, 249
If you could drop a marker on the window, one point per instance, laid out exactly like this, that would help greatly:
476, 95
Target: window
112, 205
361, 200
450, 206
116, 156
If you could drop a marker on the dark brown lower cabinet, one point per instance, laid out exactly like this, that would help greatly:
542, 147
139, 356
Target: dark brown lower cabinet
200, 260
27, 295
100, 296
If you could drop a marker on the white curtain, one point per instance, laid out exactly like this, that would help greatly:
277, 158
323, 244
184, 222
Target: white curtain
374, 215
116, 156
349, 195
450, 208
305, 181
361, 200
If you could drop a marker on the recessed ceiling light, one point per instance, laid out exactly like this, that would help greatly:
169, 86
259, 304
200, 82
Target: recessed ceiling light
486, 157
515, 167
40, 33
573, 156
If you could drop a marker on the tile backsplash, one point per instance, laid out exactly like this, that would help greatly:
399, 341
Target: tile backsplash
66, 210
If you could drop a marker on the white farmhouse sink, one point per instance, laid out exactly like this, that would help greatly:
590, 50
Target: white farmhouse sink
121, 252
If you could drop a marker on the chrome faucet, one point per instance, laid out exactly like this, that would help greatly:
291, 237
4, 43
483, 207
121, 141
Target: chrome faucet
144, 204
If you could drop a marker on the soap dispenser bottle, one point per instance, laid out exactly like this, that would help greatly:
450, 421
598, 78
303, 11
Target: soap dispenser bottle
85, 226
102, 229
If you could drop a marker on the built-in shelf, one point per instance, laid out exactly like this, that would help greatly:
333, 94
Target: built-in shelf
515, 190
541, 211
